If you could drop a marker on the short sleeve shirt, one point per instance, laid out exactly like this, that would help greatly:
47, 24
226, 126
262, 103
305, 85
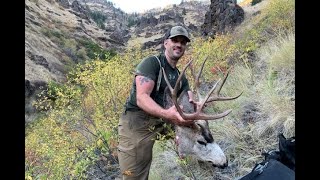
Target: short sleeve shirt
149, 67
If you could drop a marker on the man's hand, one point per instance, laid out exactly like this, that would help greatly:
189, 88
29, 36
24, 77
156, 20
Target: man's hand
173, 115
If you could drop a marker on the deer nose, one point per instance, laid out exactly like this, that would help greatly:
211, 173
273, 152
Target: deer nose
225, 165
221, 166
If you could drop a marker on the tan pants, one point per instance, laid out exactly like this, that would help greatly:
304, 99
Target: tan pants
137, 133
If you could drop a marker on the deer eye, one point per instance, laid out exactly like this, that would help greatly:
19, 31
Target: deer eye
202, 142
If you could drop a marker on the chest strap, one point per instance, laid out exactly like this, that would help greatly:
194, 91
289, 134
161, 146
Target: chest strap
160, 74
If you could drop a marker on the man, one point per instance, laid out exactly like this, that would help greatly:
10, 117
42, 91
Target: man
144, 109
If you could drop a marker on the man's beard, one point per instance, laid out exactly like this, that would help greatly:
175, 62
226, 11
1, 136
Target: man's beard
176, 57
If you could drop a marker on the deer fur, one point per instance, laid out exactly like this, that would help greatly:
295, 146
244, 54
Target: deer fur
196, 141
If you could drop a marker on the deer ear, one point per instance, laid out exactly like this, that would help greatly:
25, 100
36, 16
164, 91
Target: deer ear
197, 125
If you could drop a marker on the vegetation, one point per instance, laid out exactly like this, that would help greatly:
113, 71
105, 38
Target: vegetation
77, 50
99, 18
131, 21
81, 119
95, 51
79, 122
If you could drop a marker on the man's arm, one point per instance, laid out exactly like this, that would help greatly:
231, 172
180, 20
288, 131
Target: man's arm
145, 86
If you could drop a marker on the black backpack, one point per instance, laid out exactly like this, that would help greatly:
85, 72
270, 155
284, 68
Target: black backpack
277, 165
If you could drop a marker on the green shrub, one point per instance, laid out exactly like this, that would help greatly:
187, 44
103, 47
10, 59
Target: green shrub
94, 51
99, 18
81, 118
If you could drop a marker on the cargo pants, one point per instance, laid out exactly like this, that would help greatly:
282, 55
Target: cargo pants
137, 133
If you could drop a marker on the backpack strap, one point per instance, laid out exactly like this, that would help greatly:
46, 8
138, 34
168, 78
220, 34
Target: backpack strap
160, 74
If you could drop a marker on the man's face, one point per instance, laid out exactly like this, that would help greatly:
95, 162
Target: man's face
175, 47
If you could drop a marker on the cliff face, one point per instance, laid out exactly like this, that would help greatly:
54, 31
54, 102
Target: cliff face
148, 28
62, 33
57, 36
223, 15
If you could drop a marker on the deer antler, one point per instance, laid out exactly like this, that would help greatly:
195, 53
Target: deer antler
199, 115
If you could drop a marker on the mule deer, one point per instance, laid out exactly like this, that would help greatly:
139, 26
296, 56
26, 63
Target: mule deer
197, 141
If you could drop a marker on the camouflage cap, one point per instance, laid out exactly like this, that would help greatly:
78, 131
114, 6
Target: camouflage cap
179, 31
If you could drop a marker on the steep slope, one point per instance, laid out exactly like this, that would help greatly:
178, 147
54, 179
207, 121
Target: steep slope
62, 33
58, 35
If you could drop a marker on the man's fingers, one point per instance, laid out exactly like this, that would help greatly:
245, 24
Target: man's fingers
183, 122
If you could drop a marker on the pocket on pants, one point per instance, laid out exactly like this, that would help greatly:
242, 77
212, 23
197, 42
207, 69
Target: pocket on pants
127, 160
138, 120
144, 150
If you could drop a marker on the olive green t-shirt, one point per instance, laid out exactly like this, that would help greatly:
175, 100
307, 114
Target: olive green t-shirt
149, 67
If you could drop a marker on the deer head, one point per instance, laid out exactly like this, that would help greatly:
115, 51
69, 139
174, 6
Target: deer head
197, 141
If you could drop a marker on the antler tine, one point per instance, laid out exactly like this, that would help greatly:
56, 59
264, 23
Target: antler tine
223, 98
194, 76
200, 72
223, 81
174, 90
197, 83
213, 117
167, 81
198, 114
217, 97
173, 93
192, 70
209, 94
205, 100
180, 76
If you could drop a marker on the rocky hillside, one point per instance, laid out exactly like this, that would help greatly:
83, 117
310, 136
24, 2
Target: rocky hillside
59, 34
62, 33
51, 28
149, 28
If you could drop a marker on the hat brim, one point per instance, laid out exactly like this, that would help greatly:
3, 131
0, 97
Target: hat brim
188, 40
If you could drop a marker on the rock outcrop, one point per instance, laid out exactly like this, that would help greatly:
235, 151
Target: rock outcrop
222, 16
82, 11
64, 3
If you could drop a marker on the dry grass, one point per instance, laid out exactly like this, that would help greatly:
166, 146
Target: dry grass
277, 89
238, 81
268, 94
